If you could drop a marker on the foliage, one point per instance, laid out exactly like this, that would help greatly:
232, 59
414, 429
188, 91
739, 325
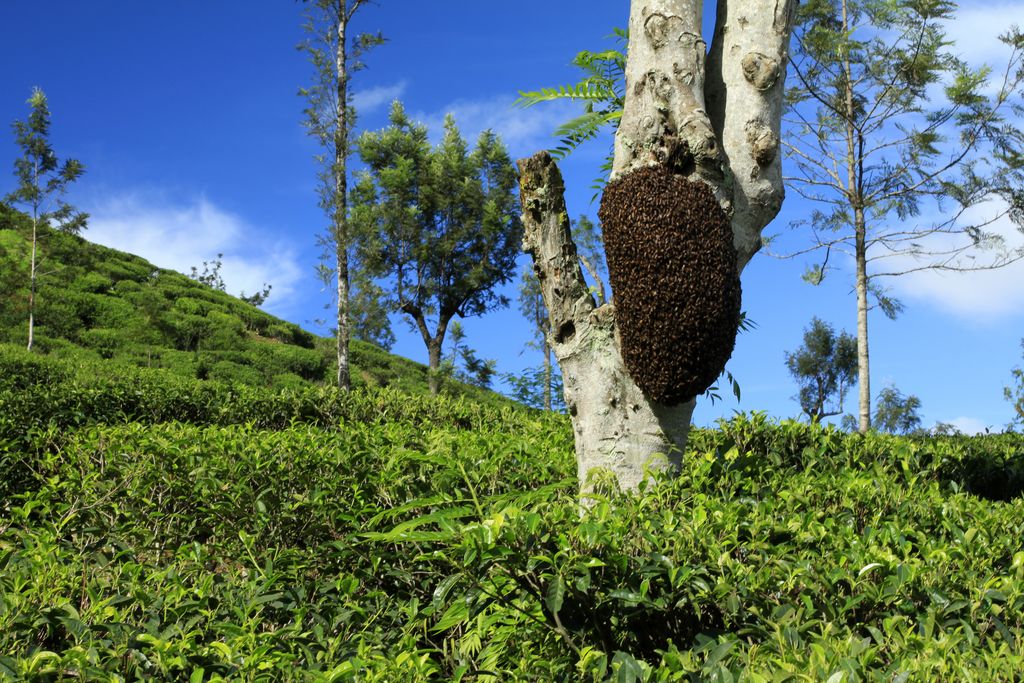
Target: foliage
367, 311
330, 119
378, 536
533, 387
590, 249
100, 303
42, 182
902, 145
603, 93
440, 225
896, 413
462, 362
211, 277
825, 368
1015, 395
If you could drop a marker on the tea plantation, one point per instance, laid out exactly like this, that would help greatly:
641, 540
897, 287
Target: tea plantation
159, 527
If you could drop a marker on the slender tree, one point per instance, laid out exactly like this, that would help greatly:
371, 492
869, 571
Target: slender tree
691, 118
824, 368
367, 309
885, 121
42, 182
531, 305
330, 119
897, 413
590, 250
440, 224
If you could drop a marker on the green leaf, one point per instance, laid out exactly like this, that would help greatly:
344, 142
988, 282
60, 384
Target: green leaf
555, 594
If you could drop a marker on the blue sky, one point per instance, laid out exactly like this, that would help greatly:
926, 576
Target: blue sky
186, 116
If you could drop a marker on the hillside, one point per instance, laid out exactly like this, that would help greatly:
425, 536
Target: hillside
203, 506
99, 303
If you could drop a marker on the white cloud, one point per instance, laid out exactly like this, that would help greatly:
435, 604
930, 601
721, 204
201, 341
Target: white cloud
968, 425
523, 130
181, 235
984, 295
976, 28
366, 101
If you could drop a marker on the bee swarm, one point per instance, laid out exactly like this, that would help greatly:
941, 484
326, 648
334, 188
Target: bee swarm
672, 267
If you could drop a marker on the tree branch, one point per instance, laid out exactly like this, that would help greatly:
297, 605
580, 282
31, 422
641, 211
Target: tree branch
548, 239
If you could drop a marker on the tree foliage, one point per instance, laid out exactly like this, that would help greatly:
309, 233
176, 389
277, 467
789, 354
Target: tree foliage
440, 225
42, 182
462, 363
602, 90
211, 277
1015, 394
824, 368
896, 412
330, 119
895, 139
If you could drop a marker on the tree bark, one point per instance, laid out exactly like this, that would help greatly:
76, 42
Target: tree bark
863, 357
854, 191
340, 198
434, 343
620, 434
547, 376
32, 282
434, 367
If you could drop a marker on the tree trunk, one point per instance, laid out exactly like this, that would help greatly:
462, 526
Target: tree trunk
32, 282
863, 358
855, 195
620, 434
435, 344
434, 366
340, 228
547, 376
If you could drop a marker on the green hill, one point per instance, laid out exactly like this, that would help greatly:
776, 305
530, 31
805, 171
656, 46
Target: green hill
97, 303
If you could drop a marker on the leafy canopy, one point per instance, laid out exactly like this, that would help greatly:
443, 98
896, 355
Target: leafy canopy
895, 137
824, 368
42, 178
896, 413
441, 224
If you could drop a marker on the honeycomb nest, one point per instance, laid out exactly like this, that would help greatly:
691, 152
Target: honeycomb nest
672, 267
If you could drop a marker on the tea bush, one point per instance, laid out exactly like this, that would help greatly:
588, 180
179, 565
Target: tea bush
163, 528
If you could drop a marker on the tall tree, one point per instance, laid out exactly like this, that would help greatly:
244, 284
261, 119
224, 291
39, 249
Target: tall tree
531, 305
330, 119
42, 182
440, 224
696, 147
884, 122
824, 368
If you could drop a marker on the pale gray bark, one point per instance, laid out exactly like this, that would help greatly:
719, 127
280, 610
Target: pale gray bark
620, 434
32, 280
340, 227
547, 377
863, 356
